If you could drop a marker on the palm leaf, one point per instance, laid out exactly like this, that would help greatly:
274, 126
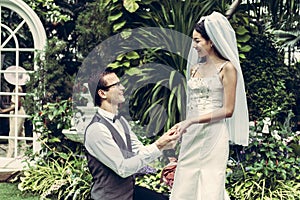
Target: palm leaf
287, 38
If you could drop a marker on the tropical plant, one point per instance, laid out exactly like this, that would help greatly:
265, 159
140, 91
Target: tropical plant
55, 15
271, 11
59, 169
119, 17
159, 101
170, 69
49, 123
252, 189
153, 182
269, 166
279, 17
62, 59
91, 27
267, 80
288, 41
65, 177
51, 82
288, 38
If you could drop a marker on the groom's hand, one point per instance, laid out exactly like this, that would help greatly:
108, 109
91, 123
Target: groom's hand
168, 140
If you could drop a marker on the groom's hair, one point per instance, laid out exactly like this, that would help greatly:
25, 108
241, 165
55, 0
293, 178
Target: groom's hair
96, 83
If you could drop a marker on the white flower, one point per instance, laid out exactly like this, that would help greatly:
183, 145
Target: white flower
276, 135
289, 139
285, 141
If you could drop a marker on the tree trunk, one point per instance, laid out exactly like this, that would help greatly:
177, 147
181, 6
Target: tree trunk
233, 8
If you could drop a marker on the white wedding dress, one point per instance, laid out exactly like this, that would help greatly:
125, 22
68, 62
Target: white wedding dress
200, 173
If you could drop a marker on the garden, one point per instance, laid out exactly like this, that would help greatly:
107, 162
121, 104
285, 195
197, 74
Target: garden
268, 40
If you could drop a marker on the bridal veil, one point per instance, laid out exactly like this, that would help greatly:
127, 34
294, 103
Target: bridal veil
223, 37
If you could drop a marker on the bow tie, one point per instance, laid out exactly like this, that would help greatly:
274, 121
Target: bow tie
117, 116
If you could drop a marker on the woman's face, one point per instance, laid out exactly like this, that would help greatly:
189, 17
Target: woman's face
202, 46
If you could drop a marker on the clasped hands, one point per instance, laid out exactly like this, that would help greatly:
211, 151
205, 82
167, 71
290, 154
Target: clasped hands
169, 139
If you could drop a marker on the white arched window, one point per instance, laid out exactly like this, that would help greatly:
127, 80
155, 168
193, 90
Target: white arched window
22, 36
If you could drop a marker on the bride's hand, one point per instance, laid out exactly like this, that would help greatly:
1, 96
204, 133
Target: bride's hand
182, 126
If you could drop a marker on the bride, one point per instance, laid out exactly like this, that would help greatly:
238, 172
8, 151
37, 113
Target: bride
216, 113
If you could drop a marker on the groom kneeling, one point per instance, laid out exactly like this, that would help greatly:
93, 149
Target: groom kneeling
114, 152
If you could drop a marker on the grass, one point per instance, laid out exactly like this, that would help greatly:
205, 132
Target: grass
9, 191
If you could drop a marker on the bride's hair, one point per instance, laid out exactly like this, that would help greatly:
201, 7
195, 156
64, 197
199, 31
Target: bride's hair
200, 28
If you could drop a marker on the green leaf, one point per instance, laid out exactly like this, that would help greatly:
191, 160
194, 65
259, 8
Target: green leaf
170, 104
145, 16
179, 103
114, 65
248, 184
63, 155
51, 117
172, 75
243, 38
113, 18
241, 30
245, 48
125, 34
126, 64
118, 26
132, 55
242, 56
55, 139
120, 57
133, 71
104, 3
131, 5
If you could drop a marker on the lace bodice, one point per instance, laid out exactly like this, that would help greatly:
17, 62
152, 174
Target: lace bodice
204, 94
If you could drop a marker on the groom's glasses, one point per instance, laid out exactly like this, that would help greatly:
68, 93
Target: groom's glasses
118, 84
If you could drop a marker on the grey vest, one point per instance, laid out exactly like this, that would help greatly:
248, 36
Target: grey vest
107, 185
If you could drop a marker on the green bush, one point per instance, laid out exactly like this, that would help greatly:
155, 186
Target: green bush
267, 81
64, 178
153, 182
59, 170
267, 168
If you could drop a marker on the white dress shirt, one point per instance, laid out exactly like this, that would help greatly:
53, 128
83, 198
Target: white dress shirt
100, 144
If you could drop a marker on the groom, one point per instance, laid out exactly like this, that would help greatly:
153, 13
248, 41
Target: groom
114, 153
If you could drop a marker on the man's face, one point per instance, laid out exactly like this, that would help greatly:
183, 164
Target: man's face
115, 90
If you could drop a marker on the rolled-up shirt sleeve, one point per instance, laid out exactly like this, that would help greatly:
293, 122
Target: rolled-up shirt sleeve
100, 144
